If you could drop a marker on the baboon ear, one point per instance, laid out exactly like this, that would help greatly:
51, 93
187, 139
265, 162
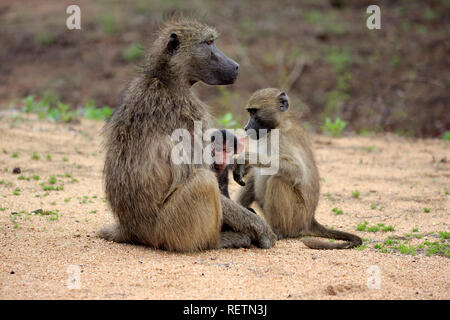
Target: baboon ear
173, 44
283, 102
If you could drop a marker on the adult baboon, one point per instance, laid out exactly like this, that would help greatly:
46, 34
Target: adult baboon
155, 201
290, 197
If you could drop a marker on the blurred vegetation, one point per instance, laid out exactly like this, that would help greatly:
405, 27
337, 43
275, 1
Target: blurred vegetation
339, 75
50, 108
333, 128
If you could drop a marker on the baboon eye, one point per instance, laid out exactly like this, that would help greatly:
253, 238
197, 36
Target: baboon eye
209, 42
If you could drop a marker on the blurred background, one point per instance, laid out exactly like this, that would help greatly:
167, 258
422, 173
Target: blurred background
337, 72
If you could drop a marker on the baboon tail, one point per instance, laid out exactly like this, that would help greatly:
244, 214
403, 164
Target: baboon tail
318, 230
113, 233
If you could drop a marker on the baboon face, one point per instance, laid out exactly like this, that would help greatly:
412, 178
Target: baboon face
224, 146
265, 108
192, 46
211, 66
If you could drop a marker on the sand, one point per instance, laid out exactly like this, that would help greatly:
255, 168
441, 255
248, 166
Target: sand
40, 253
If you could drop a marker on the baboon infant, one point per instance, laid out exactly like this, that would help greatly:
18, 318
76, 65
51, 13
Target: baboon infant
155, 201
224, 146
290, 197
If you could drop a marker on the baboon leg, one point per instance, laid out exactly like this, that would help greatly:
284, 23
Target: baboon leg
284, 209
243, 220
246, 194
114, 232
230, 239
191, 218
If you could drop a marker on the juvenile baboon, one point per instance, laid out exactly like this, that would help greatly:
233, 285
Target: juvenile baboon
156, 202
290, 197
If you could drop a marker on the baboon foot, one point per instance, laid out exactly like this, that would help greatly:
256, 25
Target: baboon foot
267, 239
230, 239
113, 233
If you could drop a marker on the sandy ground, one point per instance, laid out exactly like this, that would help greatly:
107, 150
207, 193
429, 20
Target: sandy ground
39, 253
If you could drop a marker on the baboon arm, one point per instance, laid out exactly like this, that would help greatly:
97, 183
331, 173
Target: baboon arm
287, 168
230, 239
253, 159
242, 220
246, 194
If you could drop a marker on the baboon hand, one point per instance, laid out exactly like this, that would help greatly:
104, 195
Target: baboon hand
238, 173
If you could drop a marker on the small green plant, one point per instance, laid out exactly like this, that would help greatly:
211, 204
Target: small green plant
361, 247
444, 235
36, 177
15, 155
437, 248
133, 52
413, 235
44, 38
48, 157
108, 24
373, 229
388, 229
30, 104
49, 108
52, 180
91, 112
355, 194
227, 120
426, 210
337, 211
362, 226
407, 249
16, 191
373, 206
65, 159
334, 128
61, 113
415, 230
35, 156
446, 136
370, 148
338, 59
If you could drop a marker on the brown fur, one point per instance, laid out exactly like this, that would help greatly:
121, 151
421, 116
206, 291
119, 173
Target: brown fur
155, 202
289, 198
